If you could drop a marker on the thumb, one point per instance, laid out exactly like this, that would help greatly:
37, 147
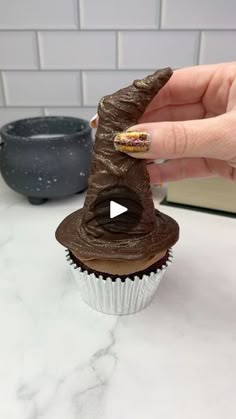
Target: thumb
212, 138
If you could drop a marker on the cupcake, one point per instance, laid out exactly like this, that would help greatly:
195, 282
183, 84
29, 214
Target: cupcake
119, 261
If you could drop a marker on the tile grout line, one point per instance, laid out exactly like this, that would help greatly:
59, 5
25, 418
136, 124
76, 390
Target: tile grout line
78, 13
44, 107
159, 10
142, 29
117, 50
199, 48
4, 92
75, 70
81, 88
38, 50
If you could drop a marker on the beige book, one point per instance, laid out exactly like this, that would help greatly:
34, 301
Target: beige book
213, 193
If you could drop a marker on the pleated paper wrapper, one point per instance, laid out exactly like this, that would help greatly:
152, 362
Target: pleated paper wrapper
117, 296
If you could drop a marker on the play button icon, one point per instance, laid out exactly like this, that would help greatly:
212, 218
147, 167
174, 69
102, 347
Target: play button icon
117, 209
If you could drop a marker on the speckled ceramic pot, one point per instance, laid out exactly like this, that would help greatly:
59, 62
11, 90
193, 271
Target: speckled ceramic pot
46, 157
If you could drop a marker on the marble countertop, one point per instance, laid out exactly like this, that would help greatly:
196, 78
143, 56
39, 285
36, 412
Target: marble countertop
59, 359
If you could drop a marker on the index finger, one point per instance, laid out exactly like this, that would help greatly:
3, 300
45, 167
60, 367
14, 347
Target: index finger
186, 86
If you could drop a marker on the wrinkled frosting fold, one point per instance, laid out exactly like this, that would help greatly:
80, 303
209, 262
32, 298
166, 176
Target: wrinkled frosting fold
155, 231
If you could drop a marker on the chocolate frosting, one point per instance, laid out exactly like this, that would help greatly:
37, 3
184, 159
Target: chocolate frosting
155, 231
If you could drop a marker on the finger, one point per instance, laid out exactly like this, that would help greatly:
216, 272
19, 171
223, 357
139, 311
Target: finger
94, 121
186, 86
191, 168
213, 138
178, 169
174, 113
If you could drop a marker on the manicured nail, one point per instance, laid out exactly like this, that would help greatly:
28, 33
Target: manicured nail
94, 121
132, 141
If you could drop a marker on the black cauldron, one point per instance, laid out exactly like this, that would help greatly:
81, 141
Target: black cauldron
46, 157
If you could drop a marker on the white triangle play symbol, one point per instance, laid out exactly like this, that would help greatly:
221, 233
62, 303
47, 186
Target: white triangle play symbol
116, 209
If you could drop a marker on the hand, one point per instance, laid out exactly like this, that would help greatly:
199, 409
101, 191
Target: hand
192, 123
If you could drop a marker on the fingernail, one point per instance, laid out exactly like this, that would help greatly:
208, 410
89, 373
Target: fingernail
132, 141
93, 121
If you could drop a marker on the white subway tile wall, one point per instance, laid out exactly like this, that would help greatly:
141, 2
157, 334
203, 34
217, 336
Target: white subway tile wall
199, 14
84, 113
39, 88
149, 46
99, 83
217, 46
12, 114
119, 14
35, 14
58, 57
18, 50
80, 50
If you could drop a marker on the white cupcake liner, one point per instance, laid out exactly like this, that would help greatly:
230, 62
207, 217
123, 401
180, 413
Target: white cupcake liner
120, 296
